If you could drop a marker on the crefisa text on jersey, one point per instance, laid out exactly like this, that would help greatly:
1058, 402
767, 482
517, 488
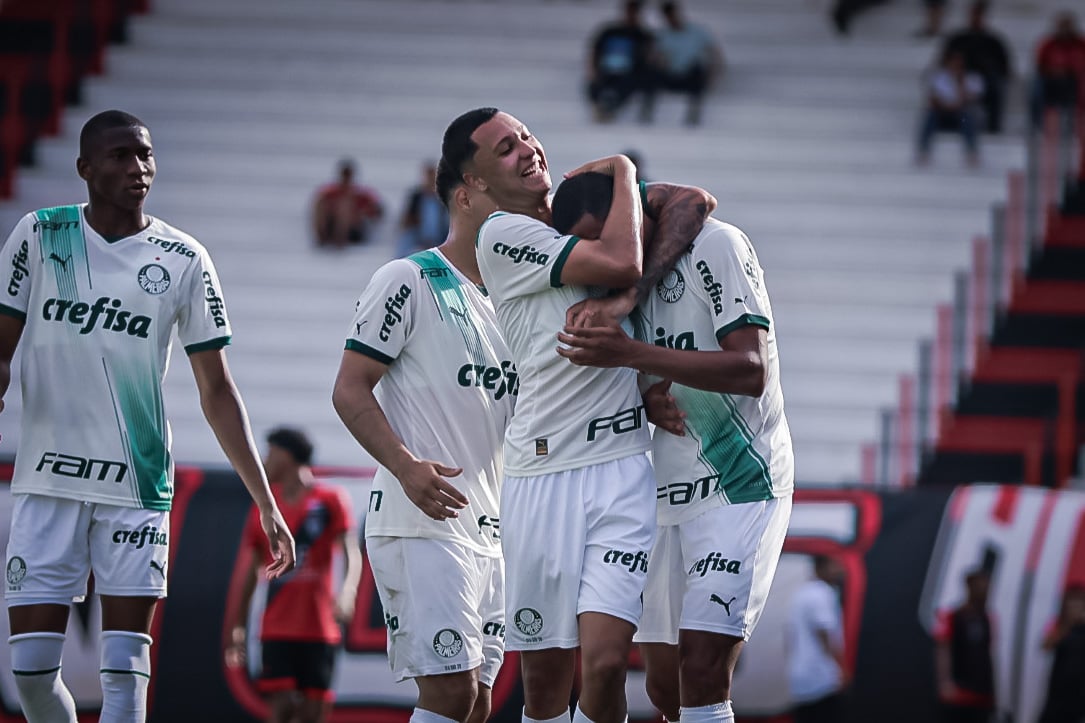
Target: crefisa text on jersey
87, 316
19, 268
214, 301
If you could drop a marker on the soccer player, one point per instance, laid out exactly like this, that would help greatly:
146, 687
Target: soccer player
94, 292
427, 386
724, 495
576, 508
299, 632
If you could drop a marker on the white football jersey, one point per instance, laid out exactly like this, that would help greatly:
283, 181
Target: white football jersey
737, 448
567, 416
448, 392
99, 316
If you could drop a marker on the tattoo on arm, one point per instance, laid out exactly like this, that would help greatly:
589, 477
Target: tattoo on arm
679, 213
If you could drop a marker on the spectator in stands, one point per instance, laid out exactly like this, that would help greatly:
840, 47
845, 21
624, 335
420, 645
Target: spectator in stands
619, 63
300, 628
687, 60
844, 12
816, 671
1066, 687
425, 218
953, 95
985, 53
1060, 70
934, 11
344, 211
962, 656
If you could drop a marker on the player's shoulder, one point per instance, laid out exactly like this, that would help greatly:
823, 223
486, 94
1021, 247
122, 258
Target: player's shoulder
173, 240
717, 236
504, 222
402, 271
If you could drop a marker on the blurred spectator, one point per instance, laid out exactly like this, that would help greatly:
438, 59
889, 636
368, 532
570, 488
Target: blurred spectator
618, 64
953, 94
985, 53
343, 212
933, 11
425, 219
815, 645
962, 662
844, 11
687, 59
1066, 686
1060, 69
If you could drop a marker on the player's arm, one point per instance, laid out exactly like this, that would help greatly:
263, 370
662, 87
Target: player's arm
225, 412
738, 367
239, 616
352, 575
616, 257
423, 481
11, 330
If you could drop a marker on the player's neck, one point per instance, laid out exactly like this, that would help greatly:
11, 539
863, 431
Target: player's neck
111, 222
535, 207
293, 486
459, 249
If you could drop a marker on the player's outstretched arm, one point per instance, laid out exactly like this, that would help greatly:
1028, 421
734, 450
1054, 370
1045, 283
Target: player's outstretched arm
423, 481
739, 367
239, 616
11, 329
225, 413
352, 575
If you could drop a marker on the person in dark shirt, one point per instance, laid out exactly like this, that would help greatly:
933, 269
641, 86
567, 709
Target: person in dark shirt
1060, 70
1066, 687
619, 63
963, 663
984, 53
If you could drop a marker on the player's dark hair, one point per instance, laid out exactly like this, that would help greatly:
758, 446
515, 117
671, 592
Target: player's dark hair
104, 121
590, 193
294, 441
457, 148
446, 182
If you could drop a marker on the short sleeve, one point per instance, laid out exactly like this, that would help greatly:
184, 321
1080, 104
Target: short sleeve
384, 313
824, 611
15, 260
339, 505
943, 626
519, 255
731, 281
253, 536
203, 323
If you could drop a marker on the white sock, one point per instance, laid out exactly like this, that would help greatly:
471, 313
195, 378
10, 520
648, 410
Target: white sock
421, 715
579, 717
125, 674
715, 713
35, 660
563, 718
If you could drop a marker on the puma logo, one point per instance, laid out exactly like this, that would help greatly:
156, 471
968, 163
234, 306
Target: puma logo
458, 312
161, 567
719, 600
63, 262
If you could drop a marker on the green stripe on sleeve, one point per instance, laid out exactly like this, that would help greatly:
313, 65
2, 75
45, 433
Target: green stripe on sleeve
354, 345
12, 312
643, 195
744, 320
221, 342
559, 262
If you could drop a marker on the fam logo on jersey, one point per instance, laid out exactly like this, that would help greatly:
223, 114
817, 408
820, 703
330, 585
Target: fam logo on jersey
499, 380
712, 287
171, 247
214, 301
20, 268
682, 340
392, 305
154, 279
16, 571
682, 493
149, 535
528, 621
715, 562
629, 560
70, 465
107, 313
671, 287
447, 643
55, 225
493, 524
525, 254
627, 420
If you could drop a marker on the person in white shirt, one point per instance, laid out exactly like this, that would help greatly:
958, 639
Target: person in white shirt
952, 103
95, 292
816, 667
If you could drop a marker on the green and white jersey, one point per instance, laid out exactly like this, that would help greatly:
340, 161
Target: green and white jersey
448, 392
736, 448
99, 316
567, 416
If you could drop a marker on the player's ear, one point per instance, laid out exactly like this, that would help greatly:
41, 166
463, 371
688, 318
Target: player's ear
474, 181
82, 167
461, 197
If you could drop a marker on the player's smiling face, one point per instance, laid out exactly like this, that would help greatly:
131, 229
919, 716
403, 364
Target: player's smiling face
510, 161
120, 167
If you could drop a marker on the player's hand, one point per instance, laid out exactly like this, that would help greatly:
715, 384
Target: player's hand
607, 165
235, 648
595, 346
344, 606
425, 485
662, 410
281, 542
608, 311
